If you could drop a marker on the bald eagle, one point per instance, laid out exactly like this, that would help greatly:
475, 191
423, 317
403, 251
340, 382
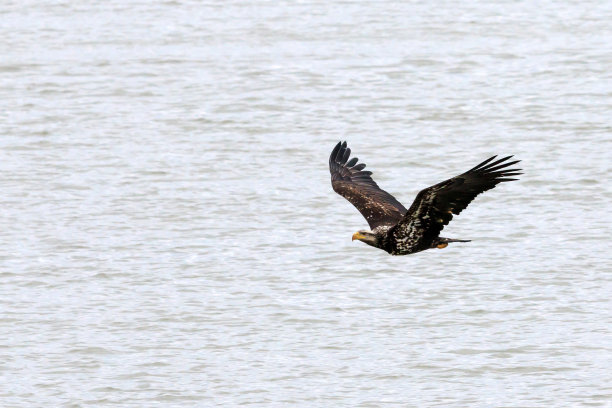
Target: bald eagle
401, 231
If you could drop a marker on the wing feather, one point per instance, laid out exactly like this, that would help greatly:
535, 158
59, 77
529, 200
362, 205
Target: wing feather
356, 185
433, 207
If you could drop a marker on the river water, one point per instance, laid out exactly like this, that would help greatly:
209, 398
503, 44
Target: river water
170, 237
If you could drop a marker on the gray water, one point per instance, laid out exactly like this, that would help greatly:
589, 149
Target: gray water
170, 237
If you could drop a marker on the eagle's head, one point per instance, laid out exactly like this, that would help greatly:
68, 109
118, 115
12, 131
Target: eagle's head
368, 237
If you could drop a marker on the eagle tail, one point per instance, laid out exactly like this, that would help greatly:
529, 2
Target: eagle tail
446, 240
442, 242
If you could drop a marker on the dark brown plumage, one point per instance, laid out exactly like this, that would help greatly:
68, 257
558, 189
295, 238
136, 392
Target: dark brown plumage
400, 231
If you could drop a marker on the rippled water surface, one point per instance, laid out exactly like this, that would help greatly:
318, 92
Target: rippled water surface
170, 237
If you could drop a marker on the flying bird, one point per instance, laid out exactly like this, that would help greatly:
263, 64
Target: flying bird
401, 231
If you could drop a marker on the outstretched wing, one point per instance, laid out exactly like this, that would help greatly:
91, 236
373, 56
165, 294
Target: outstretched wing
351, 182
433, 207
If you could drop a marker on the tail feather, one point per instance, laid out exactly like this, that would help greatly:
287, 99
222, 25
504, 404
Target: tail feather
447, 240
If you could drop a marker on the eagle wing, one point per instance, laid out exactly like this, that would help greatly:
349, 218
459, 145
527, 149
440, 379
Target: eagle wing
356, 185
433, 207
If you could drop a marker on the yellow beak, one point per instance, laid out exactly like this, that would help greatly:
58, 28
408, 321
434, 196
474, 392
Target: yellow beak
357, 236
